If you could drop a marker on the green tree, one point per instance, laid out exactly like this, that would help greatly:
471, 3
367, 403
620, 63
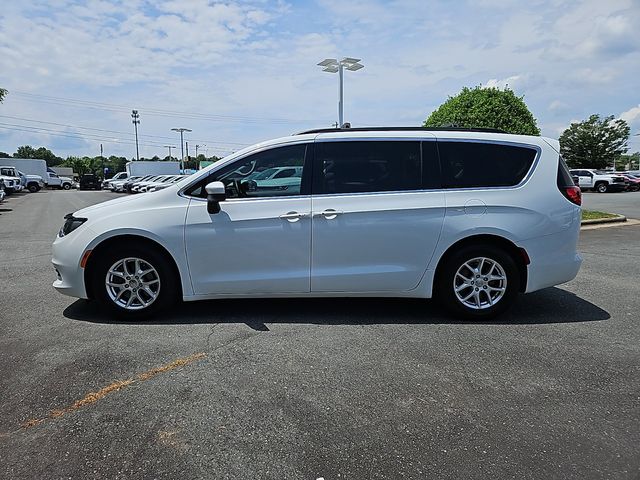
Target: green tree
3, 93
42, 153
80, 165
485, 108
595, 142
4, 155
631, 162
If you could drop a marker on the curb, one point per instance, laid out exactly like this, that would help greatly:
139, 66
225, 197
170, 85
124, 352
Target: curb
598, 221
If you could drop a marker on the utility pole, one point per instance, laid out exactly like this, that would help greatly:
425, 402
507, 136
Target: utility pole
181, 130
187, 146
102, 161
136, 120
197, 146
169, 147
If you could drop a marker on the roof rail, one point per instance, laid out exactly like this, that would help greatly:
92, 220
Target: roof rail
402, 129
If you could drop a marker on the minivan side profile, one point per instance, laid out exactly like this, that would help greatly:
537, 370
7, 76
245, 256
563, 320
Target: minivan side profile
469, 217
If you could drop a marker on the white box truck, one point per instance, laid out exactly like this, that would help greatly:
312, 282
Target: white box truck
28, 166
144, 167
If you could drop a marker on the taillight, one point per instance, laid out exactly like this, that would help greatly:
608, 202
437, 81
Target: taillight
573, 194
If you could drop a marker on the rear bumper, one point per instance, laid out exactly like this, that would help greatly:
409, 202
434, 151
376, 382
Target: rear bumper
554, 259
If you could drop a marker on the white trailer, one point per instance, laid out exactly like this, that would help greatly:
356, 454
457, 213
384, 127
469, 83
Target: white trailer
28, 166
144, 167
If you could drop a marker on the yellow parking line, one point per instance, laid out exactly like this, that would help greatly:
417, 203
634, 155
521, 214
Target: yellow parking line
93, 397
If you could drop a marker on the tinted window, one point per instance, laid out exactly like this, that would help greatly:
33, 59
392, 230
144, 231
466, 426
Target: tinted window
473, 164
367, 166
564, 175
256, 175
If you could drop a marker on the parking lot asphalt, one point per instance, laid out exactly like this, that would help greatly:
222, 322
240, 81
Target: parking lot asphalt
624, 203
318, 388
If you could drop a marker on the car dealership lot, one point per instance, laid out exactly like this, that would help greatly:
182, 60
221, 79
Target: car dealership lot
333, 388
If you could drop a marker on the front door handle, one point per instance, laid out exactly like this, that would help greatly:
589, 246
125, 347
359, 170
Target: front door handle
293, 216
329, 213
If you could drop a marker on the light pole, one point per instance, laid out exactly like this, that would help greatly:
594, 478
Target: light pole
181, 130
136, 120
331, 65
169, 147
200, 146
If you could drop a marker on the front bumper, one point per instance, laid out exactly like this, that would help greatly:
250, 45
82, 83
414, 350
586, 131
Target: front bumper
616, 187
66, 263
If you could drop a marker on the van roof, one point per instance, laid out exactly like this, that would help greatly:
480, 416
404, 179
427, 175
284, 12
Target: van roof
402, 129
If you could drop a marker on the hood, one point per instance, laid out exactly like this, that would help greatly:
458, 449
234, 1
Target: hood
134, 201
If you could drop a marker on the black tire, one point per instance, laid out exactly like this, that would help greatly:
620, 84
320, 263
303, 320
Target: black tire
445, 282
602, 187
33, 188
66, 186
168, 286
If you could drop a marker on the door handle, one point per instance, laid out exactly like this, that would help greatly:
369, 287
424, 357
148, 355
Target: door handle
329, 213
293, 216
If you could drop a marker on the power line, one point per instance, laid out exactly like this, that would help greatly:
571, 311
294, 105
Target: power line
87, 137
165, 137
154, 111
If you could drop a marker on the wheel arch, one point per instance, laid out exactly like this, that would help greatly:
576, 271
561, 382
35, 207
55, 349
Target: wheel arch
518, 254
128, 240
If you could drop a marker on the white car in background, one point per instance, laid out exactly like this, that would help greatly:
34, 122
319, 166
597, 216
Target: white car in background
469, 217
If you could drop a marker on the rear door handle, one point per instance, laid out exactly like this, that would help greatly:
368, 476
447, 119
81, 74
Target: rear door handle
293, 216
329, 213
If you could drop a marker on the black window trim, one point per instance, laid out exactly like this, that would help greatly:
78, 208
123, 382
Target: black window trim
524, 180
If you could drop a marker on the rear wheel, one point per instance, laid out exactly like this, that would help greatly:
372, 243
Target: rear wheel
601, 187
67, 186
478, 282
33, 188
133, 282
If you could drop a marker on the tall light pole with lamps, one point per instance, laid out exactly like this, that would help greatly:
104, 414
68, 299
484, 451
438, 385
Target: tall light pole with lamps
331, 65
136, 121
181, 130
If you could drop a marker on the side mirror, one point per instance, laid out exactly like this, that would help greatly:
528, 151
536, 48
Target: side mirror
215, 194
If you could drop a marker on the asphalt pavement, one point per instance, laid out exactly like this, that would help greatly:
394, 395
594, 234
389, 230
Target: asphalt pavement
624, 203
317, 388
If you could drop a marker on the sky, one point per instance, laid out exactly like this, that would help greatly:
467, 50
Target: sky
236, 73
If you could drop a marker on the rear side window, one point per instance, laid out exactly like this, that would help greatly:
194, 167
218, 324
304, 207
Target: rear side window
367, 166
475, 164
564, 175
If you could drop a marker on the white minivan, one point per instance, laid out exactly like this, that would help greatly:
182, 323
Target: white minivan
469, 217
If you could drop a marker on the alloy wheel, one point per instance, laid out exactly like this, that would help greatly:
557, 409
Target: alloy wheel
480, 283
132, 283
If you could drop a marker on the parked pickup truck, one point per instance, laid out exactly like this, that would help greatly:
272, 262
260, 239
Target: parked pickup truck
12, 182
598, 180
56, 181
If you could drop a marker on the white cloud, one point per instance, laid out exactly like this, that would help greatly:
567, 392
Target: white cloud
632, 116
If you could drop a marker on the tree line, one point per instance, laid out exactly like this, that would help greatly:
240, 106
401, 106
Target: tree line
95, 165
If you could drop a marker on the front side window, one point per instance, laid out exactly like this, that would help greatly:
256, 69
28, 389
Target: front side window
476, 164
271, 173
367, 166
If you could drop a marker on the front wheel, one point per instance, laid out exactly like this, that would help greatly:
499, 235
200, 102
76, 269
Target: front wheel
478, 282
134, 282
66, 186
601, 188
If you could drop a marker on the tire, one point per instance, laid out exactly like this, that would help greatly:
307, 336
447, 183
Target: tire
67, 186
33, 188
110, 267
450, 278
602, 187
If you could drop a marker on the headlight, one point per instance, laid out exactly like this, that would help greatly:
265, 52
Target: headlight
70, 224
